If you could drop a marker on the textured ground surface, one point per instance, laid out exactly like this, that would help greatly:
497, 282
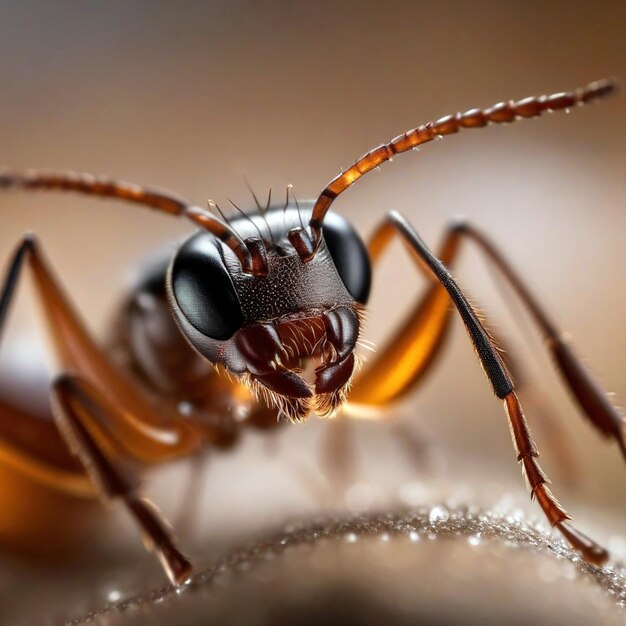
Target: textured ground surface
431, 566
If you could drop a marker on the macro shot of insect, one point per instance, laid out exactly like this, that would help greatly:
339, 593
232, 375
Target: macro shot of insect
255, 322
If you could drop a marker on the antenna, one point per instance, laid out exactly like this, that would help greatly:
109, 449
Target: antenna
500, 113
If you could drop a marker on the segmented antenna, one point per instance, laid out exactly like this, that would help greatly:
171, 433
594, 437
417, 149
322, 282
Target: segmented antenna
40, 180
501, 113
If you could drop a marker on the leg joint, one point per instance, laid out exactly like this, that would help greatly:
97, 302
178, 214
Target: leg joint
459, 224
28, 243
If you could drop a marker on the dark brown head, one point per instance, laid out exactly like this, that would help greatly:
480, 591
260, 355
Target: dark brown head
297, 313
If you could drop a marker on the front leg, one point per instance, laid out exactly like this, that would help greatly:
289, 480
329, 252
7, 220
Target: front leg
401, 365
503, 387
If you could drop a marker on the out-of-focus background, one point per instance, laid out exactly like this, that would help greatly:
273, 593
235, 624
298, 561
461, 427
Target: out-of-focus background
196, 96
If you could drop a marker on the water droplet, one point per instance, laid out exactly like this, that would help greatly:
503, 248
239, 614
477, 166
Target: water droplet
385, 537
185, 408
474, 540
518, 515
414, 536
114, 595
438, 514
351, 537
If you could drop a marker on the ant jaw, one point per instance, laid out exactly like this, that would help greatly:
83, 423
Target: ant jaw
296, 409
275, 354
332, 383
292, 395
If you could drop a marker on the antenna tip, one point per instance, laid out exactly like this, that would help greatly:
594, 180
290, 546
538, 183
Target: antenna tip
616, 85
604, 87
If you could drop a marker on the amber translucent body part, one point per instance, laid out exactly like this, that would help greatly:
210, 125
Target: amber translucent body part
94, 427
47, 500
398, 366
44, 512
150, 435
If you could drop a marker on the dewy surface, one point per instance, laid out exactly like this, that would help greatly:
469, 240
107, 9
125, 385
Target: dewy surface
435, 565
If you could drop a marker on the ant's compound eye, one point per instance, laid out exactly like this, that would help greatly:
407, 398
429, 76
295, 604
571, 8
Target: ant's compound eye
349, 254
204, 290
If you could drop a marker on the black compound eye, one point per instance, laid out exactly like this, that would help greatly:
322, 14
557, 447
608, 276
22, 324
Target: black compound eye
204, 290
349, 254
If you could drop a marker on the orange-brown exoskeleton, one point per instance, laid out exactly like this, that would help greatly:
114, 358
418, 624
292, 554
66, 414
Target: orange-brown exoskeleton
228, 327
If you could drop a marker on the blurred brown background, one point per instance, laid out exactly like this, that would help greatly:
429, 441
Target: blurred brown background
193, 96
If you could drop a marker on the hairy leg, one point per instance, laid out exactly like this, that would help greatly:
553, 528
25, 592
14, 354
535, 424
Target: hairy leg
503, 387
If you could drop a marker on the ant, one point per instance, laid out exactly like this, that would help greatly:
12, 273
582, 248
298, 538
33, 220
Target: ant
258, 317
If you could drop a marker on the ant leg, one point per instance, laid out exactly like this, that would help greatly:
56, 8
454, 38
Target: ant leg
79, 410
417, 445
591, 398
338, 456
187, 516
504, 389
419, 341
146, 433
150, 434
409, 355
395, 370
399, 367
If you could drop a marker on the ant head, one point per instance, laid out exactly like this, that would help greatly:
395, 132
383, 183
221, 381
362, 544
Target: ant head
298, 315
